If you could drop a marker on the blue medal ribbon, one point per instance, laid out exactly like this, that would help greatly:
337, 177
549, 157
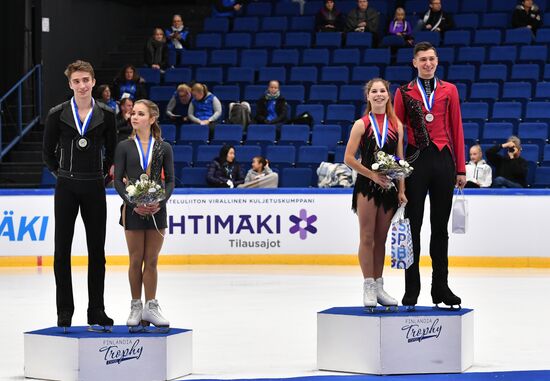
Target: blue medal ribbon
82, 126
428, 102
380, 138
144, 158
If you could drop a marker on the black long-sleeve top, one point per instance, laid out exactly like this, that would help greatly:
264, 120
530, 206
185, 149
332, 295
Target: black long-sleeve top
218, 174
149, 53
512, 169
522, 18
60, 138
127, 165
123, 127
281, 108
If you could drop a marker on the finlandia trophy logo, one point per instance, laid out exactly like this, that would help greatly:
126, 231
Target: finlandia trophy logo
420, 329
120, 350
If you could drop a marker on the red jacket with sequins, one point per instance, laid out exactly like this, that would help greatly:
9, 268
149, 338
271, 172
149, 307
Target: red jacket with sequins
444, 130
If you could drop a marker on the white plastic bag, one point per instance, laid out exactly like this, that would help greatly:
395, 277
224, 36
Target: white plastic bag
460, 213
402, 255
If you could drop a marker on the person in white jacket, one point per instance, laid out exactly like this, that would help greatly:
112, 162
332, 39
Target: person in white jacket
478, 173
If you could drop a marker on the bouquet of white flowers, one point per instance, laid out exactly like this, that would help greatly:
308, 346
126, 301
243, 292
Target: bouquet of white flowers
145, 191
391, 166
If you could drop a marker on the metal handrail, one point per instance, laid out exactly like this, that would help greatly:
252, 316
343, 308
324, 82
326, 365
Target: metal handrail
22, 130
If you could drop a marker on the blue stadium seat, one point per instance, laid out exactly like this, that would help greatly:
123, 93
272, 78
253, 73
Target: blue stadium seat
335, 74
340, 113
520, 36
287, 9
445, 55
418, 7
258, 9
47, 180
316, 111
496, 20
246, 24
323, 93
351, 93
261, 134
302, 23
303, 74
359, 40
543, 36
473, 6
398, 74
346, 57
312, 7
209, 75
542, 91
168, 133
466, 20
326, 135
315, 57
538, 111
362, 74
533, 133
245, 154
254, 92
462, 73
267, 74
177, 76
392, 41
297, 40
471, 55
296, 177
293, 93
161, 93
462, 90
238, 41
151, 76
488, 91
503, 54
533, 54
223, 57
542, 177
493, 72
228, 134
503, 5
281, 156
288, 57
193, 58
431, 37
380, 56
254, 58
339, 154
475, 111
294, 134
269, 40
216, 25
525, 72
193, 134
183, 157
507, 111
240, 74
205, 154
518, 91
530, 152
546, 74
471, 132
274, 24
546, 155
311, 156
405, 56
193, 177
328, 40
208, 41
457, 38
495, 133
228, 93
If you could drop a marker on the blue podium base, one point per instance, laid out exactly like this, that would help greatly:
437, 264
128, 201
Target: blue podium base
426, 340
83, 355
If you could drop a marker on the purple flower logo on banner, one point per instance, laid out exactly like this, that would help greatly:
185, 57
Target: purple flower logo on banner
303, 224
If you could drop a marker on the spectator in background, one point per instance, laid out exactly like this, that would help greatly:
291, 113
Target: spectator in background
178, 106
227, 8
329, 19
527, 15
177, 35
260, 175
156, 52
128, 84
435, 19
123, 125
205, 108
224, 171
363, 18
511, 169
478, 173
399, 26
105, 97
272, 107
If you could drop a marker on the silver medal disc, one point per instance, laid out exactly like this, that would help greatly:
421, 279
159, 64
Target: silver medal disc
82, 142
429, 117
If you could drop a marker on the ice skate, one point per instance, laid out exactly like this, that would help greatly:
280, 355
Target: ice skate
151, 314
383, 298
64, 319
369, 294
409, 302
443, 294
98, 321
134, 320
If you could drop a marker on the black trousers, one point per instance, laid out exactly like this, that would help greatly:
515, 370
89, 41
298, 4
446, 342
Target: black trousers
88, 196
434, 175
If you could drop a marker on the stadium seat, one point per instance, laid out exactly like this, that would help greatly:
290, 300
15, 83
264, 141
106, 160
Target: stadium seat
488, 91
466, 20
240, 74
533, 133
311, 156
267, 74
431, 37
533, 54
398, 74
380, 56
496, 133
359, 40
223, 57
542, 91
245, 154
340, 113
296, 177
227, 93
168, 132
542, 177
316, 111
216, 25
228, 134
339, 154
487, 37
496, 20
323, 93
457, 38
238, 41
328, 40
151, 76
530, 152
538, 111
519, 36
193, 58
335, 74
445, 55
362, 74
47, 179
283, 8
254, 92
297, 40
302, 23
346, 56
462, 73
208, 41
503, 54
288, 57
405, 56
471, 132
303, 74
260, 134
525, 72
258, 9
543, 36
246, 24
511, 111
350, 93
206, 153
193, 134
475, 111
209, 75
326, 135
254, 58
281, 156
294, 134
183, 157
503, 5
517, 91
473, 6
177, 76
193, 177
315, 57
392, 41
293, 93
161, 93
274, 24
471, 55
493, 72
270, 40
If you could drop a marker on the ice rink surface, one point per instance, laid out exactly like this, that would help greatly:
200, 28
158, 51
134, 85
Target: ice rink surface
260, 321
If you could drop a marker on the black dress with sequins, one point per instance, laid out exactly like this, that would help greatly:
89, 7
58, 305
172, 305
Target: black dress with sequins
368, 148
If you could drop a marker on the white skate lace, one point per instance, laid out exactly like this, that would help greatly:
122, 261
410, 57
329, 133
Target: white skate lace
154, 309
370, 290
135, 311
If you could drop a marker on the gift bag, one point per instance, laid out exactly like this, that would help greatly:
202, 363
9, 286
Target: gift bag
402, 255
460, 213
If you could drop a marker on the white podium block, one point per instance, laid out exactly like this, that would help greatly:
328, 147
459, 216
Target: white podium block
427, 340
119, 355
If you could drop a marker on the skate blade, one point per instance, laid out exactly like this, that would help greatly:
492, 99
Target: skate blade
410, 308
155, 329
65, 330
100, 328
370, 309
136, 329
392, 308
454, 307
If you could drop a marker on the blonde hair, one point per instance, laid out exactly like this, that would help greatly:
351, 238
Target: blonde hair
185, 87
517, 141
200, 87
389, 106
79, 66
154, 112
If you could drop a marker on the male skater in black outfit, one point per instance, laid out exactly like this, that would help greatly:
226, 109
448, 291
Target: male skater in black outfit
79, 146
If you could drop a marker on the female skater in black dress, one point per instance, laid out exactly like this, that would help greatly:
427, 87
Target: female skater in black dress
144, 152
375, 199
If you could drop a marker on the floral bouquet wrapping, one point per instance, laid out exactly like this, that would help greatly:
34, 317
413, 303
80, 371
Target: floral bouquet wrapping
145, 191
391, 166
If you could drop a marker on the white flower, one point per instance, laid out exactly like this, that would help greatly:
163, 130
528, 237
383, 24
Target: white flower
375, 166
152, 190
144, 177
407, 165
131, 190
157, 186
402, 163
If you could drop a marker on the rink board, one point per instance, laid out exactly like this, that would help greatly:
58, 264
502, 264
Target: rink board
81, 355
427, 340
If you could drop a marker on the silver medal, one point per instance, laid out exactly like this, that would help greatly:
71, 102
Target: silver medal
429, 118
